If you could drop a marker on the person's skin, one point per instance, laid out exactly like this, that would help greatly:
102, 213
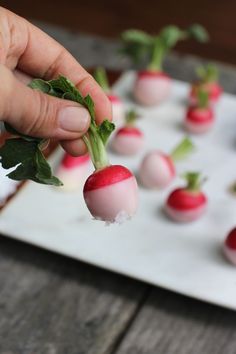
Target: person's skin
26, 51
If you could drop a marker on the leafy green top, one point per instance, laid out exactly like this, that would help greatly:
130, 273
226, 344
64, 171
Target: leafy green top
202, 98
25, 152
139, 45
207, 73
194, 181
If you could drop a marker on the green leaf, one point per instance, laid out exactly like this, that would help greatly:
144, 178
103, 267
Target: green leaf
30, 163
136, 44
198, 32
41, 85
65, 86
207, 73
170, 35
136, 36
44, 172
105, 130
183, 149
90, 105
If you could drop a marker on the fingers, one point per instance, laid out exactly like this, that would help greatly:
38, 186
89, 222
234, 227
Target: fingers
74, 147
43, 57
34, 113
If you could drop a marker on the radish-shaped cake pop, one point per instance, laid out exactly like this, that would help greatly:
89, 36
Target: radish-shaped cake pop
229, 247
111, 192
200, 118
152, 85
157, 169
208, 81
116, 102
187, 203
73, 171
129, 139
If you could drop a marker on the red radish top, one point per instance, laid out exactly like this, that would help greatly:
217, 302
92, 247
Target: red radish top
129, 130
69, 161
152, 74
107, 176
231, 239
114, 98
200, 115
213, 88
183, 199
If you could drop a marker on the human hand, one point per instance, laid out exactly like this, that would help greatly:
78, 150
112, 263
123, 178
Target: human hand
26, 51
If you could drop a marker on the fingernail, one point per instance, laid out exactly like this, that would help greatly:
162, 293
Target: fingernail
74, 119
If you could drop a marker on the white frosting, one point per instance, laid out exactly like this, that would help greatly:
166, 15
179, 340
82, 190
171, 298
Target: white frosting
195, 128
73, 178
126, 144
118, 114
185, 215
7, 185
150, 91
111, 203
155, 172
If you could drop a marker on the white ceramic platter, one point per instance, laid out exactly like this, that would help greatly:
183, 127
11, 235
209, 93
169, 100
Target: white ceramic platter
184, 258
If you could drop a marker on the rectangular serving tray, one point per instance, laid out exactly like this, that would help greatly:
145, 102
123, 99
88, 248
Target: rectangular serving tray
185, 258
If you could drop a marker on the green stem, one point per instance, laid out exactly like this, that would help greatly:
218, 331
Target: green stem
101, 77
131, 117
194, 181
182, 150
156, 57
96, 148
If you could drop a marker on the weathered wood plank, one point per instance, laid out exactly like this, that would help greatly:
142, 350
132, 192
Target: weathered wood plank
173, 324
52, 304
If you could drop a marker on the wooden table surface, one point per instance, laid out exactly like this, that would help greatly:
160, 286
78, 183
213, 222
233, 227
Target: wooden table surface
51, 304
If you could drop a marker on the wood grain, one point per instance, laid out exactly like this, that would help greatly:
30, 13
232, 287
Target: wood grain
171, 323
52, 304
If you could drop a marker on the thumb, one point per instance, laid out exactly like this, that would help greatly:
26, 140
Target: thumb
34, 113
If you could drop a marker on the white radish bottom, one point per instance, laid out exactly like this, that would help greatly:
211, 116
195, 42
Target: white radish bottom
185, 215
149, 91
72, 178
115, 202
126, 144
198, 128
230, 254
155, 171
118, 114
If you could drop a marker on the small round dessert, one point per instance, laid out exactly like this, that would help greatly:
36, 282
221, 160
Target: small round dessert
157, 169
229, 247
199, 120
188, 203
128, 141
151, 87
73, 171
111, 194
